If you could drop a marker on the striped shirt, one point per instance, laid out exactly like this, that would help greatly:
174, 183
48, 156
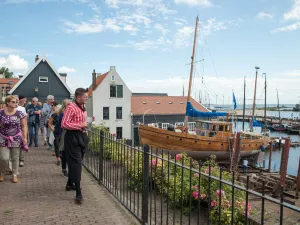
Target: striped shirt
73, 118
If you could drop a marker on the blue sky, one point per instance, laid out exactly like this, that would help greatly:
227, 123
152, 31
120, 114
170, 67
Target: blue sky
150, 43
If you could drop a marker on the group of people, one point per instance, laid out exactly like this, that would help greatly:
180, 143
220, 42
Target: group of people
63, 126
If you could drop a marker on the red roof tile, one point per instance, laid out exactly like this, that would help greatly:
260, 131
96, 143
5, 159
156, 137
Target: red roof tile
6, 80
99, 80
162, 105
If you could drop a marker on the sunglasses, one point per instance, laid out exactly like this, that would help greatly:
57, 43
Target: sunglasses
14, 102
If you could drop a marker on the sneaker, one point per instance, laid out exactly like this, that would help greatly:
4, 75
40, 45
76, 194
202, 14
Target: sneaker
14, 179
58, 162
64, 173
36, 145
1, 177
70, 188
45, 144
21, 163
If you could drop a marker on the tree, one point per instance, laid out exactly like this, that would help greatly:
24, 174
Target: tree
6, 72
296, 108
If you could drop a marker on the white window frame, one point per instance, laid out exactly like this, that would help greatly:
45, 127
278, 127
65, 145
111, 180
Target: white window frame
43, 81
112, 78
179, 124
191, 126
164, 126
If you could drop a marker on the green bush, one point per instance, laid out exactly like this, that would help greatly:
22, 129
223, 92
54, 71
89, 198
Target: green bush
181, 185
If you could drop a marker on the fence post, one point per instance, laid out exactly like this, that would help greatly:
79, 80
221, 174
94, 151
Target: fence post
101, 156
145, 194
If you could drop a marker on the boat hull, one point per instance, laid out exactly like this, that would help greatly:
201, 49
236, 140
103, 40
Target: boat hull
198, 147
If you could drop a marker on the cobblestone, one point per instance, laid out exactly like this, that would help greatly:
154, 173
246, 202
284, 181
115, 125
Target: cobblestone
40, 198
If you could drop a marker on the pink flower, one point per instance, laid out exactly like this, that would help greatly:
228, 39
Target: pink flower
202, 196
195, 187
196, 174
114, 134
178, 157
154, 162
222, 193
213, 203
195, 194
205, 170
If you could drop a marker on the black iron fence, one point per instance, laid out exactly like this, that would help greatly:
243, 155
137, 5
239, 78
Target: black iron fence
159, 187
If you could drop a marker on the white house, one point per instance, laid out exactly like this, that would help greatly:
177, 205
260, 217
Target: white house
111, 103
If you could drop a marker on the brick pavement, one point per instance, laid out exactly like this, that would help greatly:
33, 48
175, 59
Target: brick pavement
40, 198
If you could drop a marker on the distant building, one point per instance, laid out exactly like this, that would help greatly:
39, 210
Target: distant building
163, 110
109, 101
6, 84
42, 80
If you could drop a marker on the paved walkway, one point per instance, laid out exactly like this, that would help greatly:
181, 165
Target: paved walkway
40, 198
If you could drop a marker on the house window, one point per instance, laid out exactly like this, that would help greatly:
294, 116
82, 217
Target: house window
116, 91
43, 79
118, 113
179, 124
113, 78
105, 113
191, 126
119, 132
164, 126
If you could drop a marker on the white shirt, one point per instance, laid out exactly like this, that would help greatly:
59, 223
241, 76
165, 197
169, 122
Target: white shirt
22, 109
245, 162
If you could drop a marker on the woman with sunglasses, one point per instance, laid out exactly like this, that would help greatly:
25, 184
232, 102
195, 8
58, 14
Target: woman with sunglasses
13, 127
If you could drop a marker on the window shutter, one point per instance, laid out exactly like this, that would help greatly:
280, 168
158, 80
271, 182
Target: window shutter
119, 91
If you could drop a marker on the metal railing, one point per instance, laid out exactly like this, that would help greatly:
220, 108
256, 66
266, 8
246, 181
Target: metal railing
159, 187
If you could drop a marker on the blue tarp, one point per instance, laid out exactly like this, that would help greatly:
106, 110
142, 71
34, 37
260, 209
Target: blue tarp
256, 123
192, 112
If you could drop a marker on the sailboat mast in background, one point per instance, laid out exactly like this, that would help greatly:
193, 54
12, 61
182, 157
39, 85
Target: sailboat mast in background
254, 99
191, 72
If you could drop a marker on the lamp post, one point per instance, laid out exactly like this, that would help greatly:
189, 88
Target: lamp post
254, 99
144, 115
265, 110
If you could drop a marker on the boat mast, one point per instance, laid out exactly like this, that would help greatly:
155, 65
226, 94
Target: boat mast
244, 104
265, 110
278, 106
191, 72
254, 99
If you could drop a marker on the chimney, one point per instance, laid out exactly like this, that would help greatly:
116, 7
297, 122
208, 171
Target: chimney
36, 58
94, 79
63, 77
20, 76
112, 68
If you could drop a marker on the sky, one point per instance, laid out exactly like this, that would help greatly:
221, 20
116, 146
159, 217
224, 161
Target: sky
150, 43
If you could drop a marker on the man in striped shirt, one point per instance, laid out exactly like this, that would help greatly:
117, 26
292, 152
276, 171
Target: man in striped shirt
76, 140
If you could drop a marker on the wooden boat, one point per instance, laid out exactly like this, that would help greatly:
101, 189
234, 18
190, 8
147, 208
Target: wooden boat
211, 137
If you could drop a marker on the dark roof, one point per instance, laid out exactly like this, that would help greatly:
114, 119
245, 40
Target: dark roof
162, 105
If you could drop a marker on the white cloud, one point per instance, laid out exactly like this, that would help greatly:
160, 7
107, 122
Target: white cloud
92, 26
65, 69
204, 3
160, 28
263, 16
180, 22
116, 45
184, 34
155, 5
292, 27
79, 14
14, 62
6, 51
294, 13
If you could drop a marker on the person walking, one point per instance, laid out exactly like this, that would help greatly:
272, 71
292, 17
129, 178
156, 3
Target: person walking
42, 126
76, 139
53, 125
34, 111
62, 132
21, 107
13, 130
47, 109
